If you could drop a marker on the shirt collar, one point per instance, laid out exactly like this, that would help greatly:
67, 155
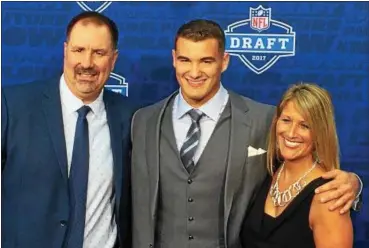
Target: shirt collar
73, 103
211, 108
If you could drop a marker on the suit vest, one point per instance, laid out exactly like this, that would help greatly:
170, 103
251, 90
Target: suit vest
191, 206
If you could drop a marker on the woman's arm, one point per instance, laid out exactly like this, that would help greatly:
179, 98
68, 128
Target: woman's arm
330, 228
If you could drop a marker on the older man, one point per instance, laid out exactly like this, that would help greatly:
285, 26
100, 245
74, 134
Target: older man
64, 149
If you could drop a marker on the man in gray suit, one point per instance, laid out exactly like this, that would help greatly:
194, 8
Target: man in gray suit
199, 155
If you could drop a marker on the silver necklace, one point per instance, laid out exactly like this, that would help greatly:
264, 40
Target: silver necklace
280, 199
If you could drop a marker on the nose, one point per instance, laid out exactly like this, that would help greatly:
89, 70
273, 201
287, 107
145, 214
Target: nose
86, 61
292, 130
195, 71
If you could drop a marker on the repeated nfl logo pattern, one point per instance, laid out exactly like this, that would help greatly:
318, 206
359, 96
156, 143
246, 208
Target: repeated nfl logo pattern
331, 49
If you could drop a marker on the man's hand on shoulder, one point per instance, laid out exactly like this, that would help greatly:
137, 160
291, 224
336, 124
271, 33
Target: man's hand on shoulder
342, 190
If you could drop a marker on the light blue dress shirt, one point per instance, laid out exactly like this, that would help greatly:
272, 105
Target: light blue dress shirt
182, 121
100, 226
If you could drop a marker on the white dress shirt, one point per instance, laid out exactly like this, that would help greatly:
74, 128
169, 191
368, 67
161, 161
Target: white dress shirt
100, 225
182, 121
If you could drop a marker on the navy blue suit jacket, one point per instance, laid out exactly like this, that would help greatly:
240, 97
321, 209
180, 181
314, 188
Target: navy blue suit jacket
35, 201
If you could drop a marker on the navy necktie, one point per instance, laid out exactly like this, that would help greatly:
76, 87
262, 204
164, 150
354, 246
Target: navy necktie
78, 179
192, 140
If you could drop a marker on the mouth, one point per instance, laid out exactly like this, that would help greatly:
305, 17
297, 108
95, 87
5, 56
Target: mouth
196, 83
86, 75
291, 144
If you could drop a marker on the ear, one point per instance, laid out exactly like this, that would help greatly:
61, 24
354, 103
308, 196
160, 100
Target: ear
115, 57
225, 61
65, 48
174, 57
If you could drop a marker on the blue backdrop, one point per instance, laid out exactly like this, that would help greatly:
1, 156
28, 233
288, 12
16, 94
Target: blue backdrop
272, 46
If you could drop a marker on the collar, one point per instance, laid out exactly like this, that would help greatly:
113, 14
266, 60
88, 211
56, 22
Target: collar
211, 108
73, 103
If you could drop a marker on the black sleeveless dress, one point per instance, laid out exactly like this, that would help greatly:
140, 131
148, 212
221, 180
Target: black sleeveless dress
288, 230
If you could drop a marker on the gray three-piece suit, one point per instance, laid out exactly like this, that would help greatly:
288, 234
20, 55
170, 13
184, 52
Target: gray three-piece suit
204, 209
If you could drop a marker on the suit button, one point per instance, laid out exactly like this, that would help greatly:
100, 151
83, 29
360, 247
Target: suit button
190, 237
189, 181
190, 199
150, 245
63, 223
190, 218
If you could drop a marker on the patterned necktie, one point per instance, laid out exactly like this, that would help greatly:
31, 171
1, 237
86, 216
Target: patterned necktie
189, 147
78, 179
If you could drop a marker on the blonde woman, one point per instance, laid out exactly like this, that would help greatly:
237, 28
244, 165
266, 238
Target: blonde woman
302, 146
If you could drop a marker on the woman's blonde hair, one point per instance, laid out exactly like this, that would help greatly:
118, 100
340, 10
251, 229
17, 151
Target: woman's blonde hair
315, 104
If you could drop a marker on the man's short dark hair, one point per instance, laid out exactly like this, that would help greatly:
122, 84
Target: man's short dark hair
97, 19
201, 29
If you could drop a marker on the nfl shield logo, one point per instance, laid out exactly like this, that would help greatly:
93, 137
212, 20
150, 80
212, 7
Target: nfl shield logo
117, 83
260, 18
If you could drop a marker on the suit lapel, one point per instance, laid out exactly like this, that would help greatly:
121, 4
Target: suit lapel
167, 128
153, 152
51, 105
115, 130
239, 139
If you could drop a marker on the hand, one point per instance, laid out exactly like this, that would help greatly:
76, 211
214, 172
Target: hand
343, 189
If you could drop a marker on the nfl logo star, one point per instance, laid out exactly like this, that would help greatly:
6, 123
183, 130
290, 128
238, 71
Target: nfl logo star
260, 18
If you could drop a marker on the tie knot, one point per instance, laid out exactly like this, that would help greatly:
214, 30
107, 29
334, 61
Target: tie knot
195, 114
83, 111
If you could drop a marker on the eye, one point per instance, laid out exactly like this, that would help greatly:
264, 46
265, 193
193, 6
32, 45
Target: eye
305, 126
183, 60
100, 53
78, 50
208, 61
285, 120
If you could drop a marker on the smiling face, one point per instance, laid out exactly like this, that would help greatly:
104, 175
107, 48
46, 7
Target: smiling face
294, 136
89, 57
198, 66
